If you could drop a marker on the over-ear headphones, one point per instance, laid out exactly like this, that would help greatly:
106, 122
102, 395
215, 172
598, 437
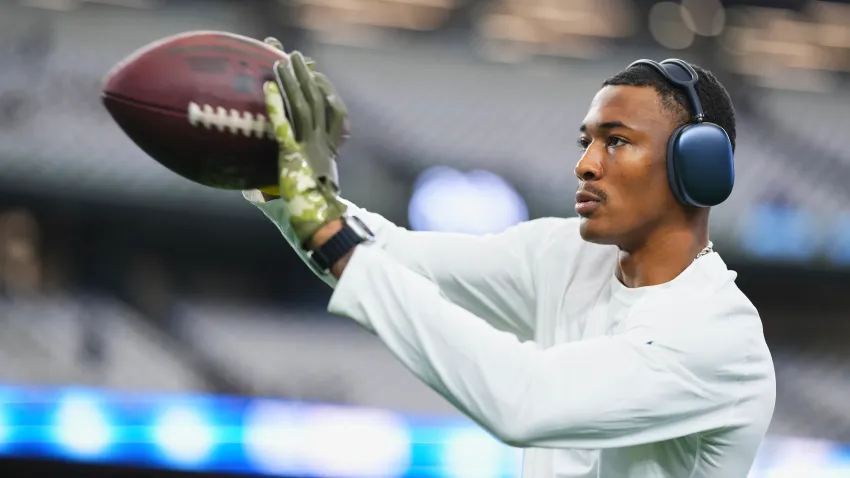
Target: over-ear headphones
700, 162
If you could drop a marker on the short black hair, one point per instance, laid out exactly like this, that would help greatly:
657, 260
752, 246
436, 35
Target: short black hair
715, 100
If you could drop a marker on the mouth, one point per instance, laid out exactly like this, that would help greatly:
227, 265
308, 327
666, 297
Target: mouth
587, 203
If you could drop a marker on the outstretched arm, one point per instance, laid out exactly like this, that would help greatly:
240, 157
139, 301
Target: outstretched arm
605, 392
490, 276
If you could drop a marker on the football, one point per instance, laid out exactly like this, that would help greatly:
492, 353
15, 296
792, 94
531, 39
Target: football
194, 103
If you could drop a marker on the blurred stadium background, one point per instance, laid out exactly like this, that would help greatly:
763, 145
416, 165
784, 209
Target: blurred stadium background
151, 327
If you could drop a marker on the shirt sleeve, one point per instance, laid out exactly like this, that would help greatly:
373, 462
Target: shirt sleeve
276, 213
491, 275
604, 392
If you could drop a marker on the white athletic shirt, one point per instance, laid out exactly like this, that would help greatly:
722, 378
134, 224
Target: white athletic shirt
529, 334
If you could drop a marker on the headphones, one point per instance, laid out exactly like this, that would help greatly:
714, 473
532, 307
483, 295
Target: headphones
700, 163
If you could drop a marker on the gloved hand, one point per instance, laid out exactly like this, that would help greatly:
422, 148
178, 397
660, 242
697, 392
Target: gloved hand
322, 154
307, 152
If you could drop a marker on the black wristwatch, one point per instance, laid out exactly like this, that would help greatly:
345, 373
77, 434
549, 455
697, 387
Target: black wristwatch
353, 233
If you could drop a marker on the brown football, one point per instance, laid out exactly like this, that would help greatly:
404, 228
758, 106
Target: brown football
194, 103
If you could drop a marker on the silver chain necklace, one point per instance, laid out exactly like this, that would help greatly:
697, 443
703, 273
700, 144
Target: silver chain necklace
708, 250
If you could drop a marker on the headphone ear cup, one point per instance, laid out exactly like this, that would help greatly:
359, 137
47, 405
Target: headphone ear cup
700, 164
672, 163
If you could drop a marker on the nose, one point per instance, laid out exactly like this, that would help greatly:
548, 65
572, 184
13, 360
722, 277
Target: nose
589, 167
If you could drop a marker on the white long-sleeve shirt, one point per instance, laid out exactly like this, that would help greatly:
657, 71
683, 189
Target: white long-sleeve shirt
529, 333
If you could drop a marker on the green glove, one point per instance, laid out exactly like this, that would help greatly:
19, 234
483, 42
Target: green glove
273, 42
307, 152
334, 121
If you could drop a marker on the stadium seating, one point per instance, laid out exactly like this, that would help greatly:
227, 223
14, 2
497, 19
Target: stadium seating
305, 356
92, 342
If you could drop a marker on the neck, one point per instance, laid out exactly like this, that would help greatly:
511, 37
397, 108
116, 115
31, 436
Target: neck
661, 257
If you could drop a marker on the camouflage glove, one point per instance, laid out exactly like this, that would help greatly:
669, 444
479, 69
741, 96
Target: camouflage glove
333, 125
310, 199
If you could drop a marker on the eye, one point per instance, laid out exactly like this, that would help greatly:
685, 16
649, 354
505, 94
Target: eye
583, 143
616, 141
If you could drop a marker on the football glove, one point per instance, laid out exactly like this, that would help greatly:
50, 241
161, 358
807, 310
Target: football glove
307, 149
323, 154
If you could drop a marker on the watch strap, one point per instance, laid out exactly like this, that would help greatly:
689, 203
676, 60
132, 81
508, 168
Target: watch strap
340, 244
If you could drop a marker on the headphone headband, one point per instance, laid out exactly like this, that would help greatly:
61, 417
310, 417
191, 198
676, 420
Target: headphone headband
674, 70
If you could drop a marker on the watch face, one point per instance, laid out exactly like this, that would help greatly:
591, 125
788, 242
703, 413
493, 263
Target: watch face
361, 228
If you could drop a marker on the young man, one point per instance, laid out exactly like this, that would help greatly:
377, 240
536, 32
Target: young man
615, 344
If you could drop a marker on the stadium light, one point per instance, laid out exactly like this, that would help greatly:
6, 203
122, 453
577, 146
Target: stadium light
184, 436
570, 28
118, 426
327, 15
82, 429
765, 41
363, 444
273, 438
668, 27
478, 202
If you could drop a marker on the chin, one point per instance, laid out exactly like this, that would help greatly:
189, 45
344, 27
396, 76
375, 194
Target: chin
595, 231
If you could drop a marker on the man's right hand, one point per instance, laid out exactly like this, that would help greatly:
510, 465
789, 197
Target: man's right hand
330, 136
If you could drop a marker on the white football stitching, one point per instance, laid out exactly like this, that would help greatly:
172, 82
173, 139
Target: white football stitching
234, 121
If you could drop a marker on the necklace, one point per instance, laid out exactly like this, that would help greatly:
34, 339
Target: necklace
708, 250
